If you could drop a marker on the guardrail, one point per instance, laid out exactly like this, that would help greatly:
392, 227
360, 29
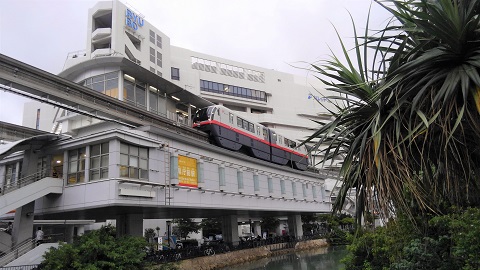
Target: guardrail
218, 247
17, 251
21, 267
27, 180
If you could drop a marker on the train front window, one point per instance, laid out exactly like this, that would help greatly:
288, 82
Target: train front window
202, 115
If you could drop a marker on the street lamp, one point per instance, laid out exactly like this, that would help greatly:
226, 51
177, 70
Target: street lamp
169, 223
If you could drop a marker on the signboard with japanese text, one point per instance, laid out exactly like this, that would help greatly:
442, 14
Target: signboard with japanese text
187, 171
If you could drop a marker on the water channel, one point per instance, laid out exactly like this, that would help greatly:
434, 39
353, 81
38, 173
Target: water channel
317, 259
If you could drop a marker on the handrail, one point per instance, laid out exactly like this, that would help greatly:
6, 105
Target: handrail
27, 180
17, 251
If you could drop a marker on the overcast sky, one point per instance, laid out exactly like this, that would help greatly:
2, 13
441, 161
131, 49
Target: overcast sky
273, 34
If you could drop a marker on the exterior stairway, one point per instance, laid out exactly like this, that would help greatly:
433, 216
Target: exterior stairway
28, 189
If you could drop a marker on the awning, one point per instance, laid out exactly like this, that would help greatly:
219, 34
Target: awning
34, 143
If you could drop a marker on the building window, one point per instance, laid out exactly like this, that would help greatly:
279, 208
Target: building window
76, 166
175, 74
152, 36
105, 83
294, 188
159, 59
270, 184
134, 91
159, 73
152, 69
133, 162
152, 55
10, 174
99, 161
282, 187
232, 90
159, 41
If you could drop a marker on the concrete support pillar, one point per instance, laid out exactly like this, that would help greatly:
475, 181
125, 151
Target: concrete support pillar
230, 229
80, 230
130, 224
23, 223
69, 233
295, 225
257, 228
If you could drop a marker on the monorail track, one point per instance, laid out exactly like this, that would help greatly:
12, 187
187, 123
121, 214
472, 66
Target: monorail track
22, 79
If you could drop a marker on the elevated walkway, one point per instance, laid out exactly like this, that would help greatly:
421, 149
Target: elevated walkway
33, 256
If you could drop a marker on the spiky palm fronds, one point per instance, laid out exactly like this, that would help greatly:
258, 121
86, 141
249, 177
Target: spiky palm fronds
409, 125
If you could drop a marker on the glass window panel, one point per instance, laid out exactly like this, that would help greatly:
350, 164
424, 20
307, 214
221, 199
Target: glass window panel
82, 165
95, 162
104, 173
143, 164
123, 148
152, 58
111, 75
129, 91
104, 160
159, 41
239, 122
133, 161
123, 171
143, 174
210, 85
95, 175
105, 148
72, 178
153, 102
133, 150
140, 96
81, 177
123, 159
99, 87
133, 172
100, 78
152, 51
73, 167
95, 151
111, 84
143, 152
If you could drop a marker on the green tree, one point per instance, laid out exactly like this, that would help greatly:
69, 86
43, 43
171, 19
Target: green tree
270, 224
99, 249
211, 226
186, 226
408, 111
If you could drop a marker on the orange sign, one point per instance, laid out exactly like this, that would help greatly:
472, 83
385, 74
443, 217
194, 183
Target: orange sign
187, 171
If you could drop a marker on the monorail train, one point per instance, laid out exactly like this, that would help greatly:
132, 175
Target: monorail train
228, 130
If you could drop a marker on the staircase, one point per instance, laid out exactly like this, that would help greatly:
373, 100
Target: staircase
28, 189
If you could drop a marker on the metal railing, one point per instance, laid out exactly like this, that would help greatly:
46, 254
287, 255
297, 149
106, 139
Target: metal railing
218, 247
24, 181
17, 251
21, 267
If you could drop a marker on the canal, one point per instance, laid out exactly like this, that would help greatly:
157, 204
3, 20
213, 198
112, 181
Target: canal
318, 259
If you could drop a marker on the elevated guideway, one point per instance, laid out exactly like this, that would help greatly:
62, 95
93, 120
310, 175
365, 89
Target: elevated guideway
28, 189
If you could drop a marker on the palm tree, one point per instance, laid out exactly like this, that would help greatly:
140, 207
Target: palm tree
408, 119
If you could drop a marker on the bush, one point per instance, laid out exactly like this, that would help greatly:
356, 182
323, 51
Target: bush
447, 242
98, 249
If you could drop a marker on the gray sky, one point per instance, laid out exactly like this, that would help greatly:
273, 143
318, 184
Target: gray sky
274, 34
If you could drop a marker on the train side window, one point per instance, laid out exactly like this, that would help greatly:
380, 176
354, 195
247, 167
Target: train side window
265, 134
245, 124
274, 137
239, 122
231, 118
285, 141
251, 128
258, 130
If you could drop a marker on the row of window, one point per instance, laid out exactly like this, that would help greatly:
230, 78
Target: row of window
227, 70
157, 59
232, 90
105, 83
158, 39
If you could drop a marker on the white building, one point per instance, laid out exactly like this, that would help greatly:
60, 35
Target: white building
279, 100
